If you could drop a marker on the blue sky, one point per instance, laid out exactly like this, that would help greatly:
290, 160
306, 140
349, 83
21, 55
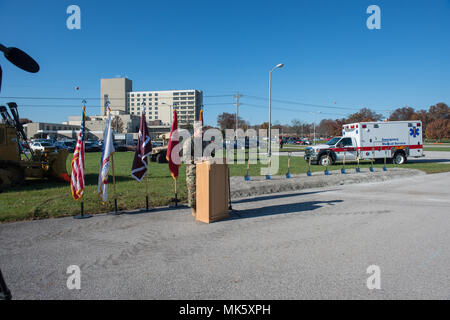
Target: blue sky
221, 47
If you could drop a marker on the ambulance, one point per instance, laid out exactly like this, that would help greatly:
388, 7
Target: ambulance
395, 140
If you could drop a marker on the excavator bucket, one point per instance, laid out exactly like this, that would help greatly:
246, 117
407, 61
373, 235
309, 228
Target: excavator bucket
56, 165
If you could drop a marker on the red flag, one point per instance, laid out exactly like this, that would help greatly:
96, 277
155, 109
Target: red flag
77, 179
174, 159
143, 150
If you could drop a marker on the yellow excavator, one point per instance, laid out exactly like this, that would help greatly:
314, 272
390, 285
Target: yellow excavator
17, 160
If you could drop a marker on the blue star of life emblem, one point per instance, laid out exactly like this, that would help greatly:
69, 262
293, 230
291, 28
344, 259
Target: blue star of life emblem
414, 132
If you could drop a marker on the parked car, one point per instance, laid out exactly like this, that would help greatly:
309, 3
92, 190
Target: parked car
120, 147
69, 146
92, 146
157, 144
42, 146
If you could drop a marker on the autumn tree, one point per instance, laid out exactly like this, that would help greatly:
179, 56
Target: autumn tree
228, 121
364, 115
438, 129
326, 127
439, 111
402, 114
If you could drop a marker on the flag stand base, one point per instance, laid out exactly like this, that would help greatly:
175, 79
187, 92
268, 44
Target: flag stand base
174, 201
116, 212
82, 215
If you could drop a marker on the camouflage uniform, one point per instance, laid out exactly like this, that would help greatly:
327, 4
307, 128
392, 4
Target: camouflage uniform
190, 183
190, 170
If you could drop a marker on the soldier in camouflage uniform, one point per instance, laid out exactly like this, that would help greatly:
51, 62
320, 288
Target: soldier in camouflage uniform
190, 159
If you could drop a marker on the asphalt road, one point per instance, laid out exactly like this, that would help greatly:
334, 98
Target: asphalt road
310, 244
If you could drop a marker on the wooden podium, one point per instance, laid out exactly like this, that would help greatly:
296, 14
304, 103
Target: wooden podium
212, 191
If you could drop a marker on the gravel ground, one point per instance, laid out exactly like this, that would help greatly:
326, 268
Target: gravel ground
259, 185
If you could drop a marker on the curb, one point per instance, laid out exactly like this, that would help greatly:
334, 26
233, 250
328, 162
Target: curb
258, 185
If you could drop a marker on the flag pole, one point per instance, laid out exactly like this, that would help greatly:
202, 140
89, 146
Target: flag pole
114, 184
176, 198
82, 215
146, 191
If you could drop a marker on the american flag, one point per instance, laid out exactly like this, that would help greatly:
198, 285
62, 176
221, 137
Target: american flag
77, 180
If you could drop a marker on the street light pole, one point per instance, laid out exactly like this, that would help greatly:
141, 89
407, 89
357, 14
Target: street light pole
270, 105
314, 126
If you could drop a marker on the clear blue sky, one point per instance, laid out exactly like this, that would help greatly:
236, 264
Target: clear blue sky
221, 47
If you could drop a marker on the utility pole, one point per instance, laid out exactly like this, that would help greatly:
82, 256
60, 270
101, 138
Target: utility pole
237, 104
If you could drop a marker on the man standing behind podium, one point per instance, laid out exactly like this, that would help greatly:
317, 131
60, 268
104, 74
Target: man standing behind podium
190, 158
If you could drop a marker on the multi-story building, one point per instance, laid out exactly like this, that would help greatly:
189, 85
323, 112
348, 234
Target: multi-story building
116, 91
159, 104
52, 130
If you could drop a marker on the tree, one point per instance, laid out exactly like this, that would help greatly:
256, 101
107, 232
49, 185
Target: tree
423, 116
439, 111
325, 127
402, 114
438, 129
228, 121
336, 129
296, 127
117, 124
364, 115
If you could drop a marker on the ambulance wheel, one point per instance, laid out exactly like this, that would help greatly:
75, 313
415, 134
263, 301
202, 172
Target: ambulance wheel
325, 159
399, 158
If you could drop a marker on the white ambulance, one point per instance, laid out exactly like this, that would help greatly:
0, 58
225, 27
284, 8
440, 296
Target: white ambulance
395, 140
